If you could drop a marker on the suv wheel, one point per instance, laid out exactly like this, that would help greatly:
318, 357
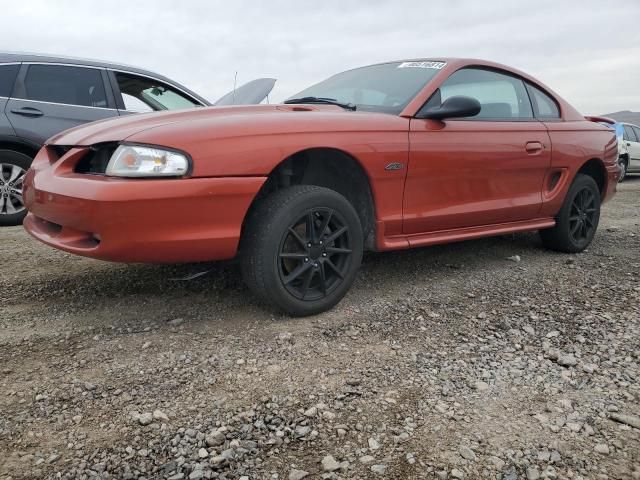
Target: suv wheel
13, 167
577, 221
301, 249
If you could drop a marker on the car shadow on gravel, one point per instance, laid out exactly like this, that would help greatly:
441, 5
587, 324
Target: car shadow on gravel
99, 280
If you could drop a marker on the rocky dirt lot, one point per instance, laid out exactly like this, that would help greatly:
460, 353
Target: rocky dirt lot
484, 359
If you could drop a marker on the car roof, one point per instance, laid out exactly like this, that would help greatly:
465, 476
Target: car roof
11, 57
452, 64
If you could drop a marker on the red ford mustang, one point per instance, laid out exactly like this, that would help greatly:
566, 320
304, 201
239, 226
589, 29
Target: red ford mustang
396, 155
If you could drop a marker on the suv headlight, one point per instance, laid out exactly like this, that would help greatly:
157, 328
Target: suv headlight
141, 161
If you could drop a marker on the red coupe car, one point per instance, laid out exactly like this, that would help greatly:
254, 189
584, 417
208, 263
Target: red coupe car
396, 155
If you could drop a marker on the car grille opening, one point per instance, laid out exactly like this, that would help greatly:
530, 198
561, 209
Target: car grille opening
65, 236
96, 160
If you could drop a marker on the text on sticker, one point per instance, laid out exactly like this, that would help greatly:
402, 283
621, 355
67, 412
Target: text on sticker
436, 65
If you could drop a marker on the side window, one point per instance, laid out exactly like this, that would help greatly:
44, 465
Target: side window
62, 84
501, 96
636, 130
629, 134
8, 75
546, 107
141, 94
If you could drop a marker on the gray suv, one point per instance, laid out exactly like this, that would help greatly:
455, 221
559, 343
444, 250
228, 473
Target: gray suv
41, 96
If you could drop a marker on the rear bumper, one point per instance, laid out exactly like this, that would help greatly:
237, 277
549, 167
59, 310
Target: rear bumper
136, 220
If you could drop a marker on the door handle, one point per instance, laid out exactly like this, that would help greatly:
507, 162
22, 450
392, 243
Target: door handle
533, 147
27, 112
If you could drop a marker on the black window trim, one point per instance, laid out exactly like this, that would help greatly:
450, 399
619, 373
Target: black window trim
534, 104
19, 90
111, 72
474, 119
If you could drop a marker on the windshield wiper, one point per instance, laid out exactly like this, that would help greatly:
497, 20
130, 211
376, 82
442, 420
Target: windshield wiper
328, 101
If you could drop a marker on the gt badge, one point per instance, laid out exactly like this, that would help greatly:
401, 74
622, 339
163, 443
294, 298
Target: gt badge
394, 166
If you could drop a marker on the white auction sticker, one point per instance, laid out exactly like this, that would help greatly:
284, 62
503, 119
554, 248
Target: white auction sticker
436, 65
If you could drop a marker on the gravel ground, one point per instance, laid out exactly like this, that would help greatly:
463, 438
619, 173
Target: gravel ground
483, 359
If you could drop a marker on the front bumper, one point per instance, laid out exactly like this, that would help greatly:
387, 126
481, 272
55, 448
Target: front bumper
135, 220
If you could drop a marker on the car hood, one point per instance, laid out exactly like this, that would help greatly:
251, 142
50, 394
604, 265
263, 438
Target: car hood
121, 128
179, 129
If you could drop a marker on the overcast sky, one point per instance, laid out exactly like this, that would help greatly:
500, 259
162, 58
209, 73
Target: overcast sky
586, 50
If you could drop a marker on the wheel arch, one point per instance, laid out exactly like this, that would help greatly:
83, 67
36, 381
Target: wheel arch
327, 167
19, 145
596, 169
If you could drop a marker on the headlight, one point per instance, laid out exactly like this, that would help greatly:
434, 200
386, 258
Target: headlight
140, 161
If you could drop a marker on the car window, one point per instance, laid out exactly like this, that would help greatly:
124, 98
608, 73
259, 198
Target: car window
636, 130
65, 84
141, 94
546, 106
629, 134
501, 96
8, 75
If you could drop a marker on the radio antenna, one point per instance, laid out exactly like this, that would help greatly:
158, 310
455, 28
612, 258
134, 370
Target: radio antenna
235, 80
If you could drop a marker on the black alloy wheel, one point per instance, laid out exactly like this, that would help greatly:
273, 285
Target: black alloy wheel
583, 215
315, 253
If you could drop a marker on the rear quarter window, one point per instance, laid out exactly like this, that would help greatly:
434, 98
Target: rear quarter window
8, 75
544, 105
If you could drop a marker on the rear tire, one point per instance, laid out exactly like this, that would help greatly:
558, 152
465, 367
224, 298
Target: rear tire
13, 167
301, 249
577, 221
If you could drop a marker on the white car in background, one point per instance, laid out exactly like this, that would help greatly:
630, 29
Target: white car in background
628, 144
629, 149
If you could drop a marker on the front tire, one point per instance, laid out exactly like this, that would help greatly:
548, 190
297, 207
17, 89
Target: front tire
301, 249
13, 167
577, 221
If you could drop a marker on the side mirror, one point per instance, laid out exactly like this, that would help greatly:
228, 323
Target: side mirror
453, 107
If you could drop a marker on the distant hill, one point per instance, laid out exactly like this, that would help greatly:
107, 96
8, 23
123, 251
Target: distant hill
625, 116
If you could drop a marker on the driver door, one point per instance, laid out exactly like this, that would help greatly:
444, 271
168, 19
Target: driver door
484, 170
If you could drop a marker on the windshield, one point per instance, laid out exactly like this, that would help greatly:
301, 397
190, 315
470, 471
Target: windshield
386, 88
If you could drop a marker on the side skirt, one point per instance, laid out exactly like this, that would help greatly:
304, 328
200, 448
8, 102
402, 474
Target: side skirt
460, 234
